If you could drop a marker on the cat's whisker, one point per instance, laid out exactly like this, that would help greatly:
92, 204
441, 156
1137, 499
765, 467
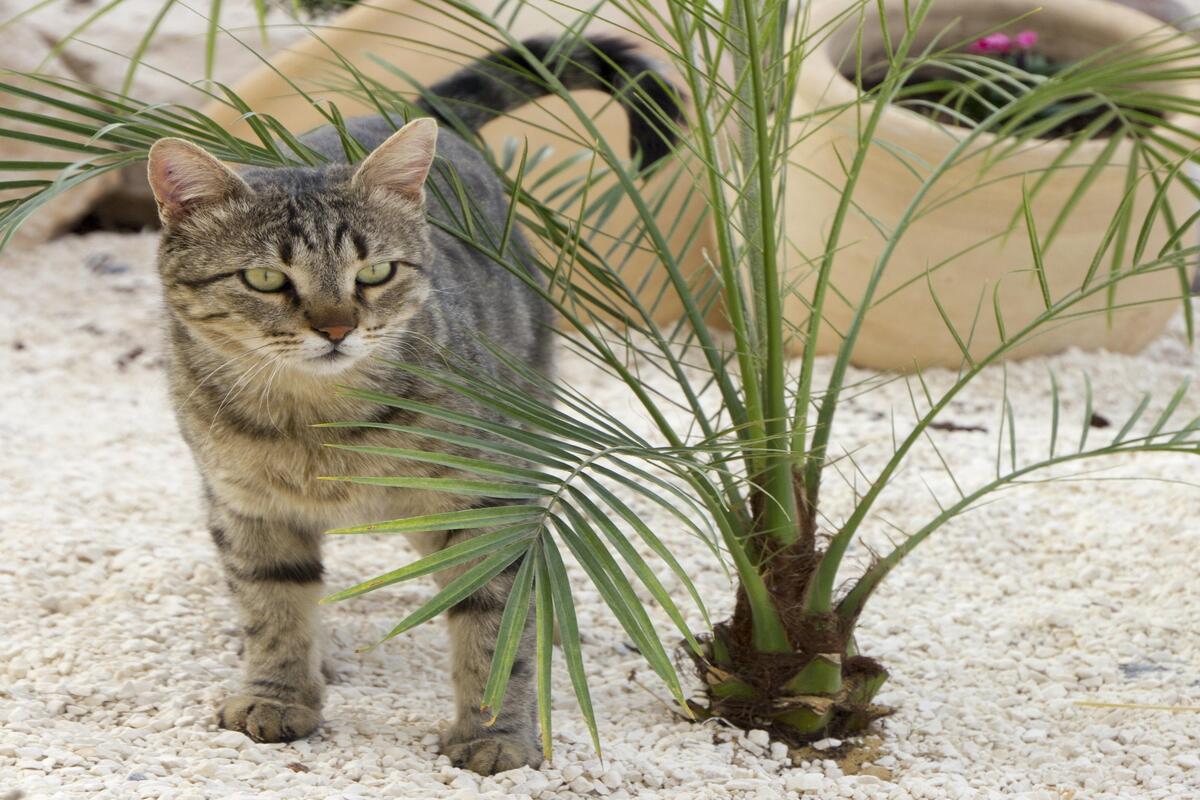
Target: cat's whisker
238, 387
264, 400
228, 362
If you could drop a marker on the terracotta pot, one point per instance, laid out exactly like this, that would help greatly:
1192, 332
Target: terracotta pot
904, 331
427, 44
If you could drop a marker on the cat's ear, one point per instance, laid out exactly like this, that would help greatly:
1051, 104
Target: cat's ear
185, 177
402, 163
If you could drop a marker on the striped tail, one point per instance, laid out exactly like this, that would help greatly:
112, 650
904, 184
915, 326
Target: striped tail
507, 80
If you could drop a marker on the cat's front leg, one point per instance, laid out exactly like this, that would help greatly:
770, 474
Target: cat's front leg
274, 572
474, 741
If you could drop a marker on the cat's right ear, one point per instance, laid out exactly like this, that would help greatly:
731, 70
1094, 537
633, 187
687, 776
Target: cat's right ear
185, 177
401, 164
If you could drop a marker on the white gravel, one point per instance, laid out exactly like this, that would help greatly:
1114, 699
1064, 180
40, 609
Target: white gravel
116, 636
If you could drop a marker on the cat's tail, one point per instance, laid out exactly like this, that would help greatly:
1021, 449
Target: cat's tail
507, 79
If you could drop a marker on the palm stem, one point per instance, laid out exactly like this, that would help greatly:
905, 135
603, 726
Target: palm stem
735, 302
779, 511
815, 458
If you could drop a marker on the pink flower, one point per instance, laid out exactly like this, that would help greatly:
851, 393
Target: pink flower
1026, 40
992, 43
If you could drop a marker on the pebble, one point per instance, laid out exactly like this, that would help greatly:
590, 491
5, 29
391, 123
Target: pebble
759, 737
803, 781
229, 739
611, 778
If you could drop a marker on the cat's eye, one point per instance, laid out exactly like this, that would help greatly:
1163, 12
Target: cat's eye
262, 279
376, 273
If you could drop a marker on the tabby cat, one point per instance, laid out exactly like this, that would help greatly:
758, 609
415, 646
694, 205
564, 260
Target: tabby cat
282, 283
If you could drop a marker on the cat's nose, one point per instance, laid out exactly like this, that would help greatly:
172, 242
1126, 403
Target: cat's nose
334, 331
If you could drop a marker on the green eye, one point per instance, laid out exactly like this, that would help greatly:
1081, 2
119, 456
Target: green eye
376, 273
262, 279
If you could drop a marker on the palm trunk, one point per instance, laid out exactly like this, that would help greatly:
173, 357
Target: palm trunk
821, 687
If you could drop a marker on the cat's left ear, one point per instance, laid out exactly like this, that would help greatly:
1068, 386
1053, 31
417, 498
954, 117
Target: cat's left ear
402, 163
185, 177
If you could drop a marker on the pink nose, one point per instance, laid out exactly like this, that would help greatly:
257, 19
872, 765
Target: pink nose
334, 333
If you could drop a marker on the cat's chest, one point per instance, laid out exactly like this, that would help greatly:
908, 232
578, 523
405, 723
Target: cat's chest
298, 476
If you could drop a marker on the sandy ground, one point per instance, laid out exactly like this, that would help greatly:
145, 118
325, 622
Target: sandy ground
117, 638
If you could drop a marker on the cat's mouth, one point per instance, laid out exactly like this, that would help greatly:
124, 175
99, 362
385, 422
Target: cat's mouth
334, 359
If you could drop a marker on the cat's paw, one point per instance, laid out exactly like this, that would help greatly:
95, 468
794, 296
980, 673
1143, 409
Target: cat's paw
489, 754
267, 720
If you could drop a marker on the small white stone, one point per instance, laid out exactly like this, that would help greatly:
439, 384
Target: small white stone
827, 744
744, 785
779, 751
803, 781
536, 783
611, 778
570, 772
464, 781
759, 737
229, 739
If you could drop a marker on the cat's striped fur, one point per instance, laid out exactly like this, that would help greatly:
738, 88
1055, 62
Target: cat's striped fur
251, 371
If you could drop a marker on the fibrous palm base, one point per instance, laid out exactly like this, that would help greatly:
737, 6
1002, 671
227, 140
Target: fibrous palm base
796, 697
822, 688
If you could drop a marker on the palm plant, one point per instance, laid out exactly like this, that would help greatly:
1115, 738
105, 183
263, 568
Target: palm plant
742, 443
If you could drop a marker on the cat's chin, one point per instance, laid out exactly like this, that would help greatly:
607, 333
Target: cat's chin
332, 363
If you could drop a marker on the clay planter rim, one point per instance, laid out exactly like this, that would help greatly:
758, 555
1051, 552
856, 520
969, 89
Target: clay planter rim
822, 82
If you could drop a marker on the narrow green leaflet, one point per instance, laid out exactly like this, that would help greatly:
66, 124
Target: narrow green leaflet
618, 594
451, 486
475, 465
509, 637
544, 608
460, 588
476, 547
568, 627
636, 563
450, 520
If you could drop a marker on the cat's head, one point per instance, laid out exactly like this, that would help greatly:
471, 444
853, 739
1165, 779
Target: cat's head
312, 268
